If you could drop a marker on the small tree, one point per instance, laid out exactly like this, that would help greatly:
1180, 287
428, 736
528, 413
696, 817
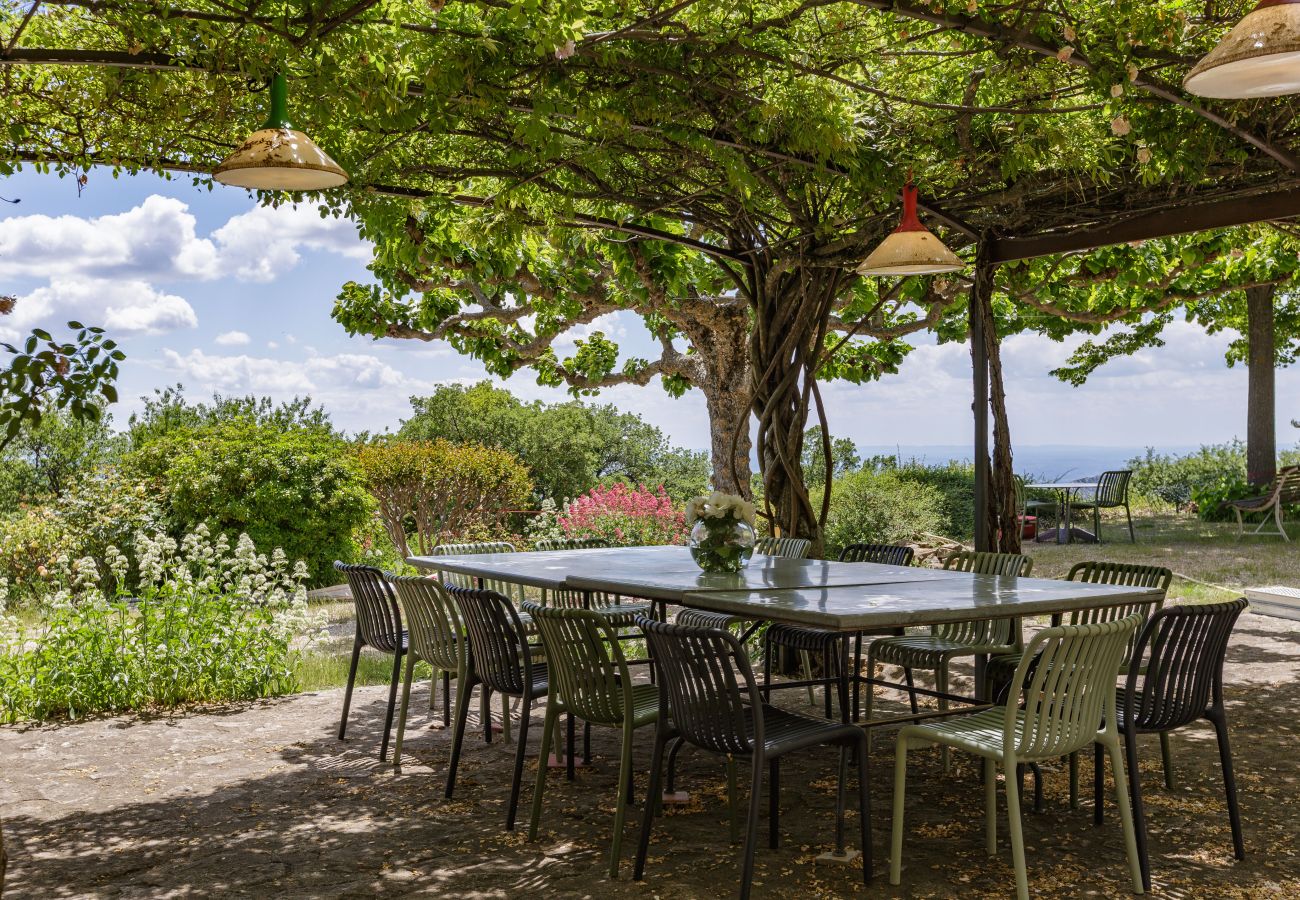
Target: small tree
440, 488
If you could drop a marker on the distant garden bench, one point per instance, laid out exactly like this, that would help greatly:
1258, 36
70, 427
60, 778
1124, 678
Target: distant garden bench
1284, 491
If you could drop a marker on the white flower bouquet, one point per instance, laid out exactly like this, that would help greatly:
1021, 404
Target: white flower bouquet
722, 531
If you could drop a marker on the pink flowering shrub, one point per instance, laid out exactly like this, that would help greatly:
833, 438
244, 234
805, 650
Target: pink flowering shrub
624, 516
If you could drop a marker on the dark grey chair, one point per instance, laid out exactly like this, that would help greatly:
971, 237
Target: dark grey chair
379, 625
709, 698
1111, 493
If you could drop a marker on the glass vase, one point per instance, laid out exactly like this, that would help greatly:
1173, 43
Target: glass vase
721, 545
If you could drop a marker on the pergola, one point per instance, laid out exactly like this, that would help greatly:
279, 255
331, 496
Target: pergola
648, 124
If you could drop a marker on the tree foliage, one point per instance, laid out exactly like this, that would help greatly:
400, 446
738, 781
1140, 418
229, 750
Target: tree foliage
570, 447
438, 490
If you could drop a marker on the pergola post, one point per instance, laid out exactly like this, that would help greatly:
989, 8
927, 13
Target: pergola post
981, 288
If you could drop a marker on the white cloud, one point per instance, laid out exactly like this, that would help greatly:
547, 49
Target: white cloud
263, 243
237, 374
231, 339
156, 240
123, 307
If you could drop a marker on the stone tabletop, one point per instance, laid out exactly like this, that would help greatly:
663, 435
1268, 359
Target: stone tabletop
665, 573
850, 608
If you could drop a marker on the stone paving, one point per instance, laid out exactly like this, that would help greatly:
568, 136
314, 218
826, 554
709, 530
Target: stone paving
262, 800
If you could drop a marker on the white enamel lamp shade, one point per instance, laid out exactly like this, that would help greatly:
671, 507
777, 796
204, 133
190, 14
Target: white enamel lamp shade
277, 157
911, 249
1259, 57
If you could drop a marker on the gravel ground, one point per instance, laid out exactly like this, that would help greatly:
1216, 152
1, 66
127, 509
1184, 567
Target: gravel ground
262, 800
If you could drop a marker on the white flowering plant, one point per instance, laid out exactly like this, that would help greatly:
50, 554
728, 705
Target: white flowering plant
205, 623
722, 531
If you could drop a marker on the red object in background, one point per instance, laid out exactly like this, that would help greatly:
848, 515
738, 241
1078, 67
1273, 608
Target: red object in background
1028, 528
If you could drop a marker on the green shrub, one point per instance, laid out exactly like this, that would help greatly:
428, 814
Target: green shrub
955, 483
881, 507
30, 544
439, 491
1206, 477
102, 512
205, 624
298, 490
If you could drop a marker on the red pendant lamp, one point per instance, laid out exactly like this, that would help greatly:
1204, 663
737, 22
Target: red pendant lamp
912, 249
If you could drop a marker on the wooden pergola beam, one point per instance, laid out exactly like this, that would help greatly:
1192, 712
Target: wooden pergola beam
1145, 226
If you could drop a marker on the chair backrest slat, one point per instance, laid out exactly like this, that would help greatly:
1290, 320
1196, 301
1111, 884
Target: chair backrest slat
1121, 575
883, 554
379, 618
454, 579
1067, 680
498, 648
437, 634
584, 663
571, 543
1288, 485
1112, 488
784, 547
706, 686
984, 632
1177, 667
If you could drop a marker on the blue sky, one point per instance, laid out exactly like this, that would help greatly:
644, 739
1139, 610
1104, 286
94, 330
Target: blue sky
204, 288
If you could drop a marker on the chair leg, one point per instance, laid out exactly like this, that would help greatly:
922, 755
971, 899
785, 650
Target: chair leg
1241, 523
1017, 836
911, 689
624, 797
1167, 760
1098, 784
805, 663
990, 806
941, 682
392, 704
768, 649
485, 713
347, 694
1129, 514
1125, 813
869, 702
1096, 522
842, 775
505, 718
751, 827
896, 832
731, 798
458, 731
1229, 781
1277, 517
651, 802
519, 763
672, 763
446, 697
857, 670
842, 681
864, 811
774, 803
433, 691
1074, 780
1139, 810
401, 713
539, 786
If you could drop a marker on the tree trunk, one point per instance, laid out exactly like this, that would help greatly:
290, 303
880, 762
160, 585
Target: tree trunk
721, 345
791, 304
1261, 437
1002, 520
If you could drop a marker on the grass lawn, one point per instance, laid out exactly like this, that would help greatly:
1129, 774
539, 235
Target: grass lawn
1207, 561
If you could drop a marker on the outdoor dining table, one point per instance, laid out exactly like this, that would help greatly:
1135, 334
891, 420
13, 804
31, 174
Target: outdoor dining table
1065, 491
842, 597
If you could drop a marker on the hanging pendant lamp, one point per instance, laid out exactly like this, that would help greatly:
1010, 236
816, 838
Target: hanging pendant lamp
278, 158
1259, 57
911, 249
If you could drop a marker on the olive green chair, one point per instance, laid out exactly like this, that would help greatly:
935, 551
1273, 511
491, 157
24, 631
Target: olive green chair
1067, 678
1003, 666
934, 650
436, 636
505, 588
784, 547
571, 543
589, 679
